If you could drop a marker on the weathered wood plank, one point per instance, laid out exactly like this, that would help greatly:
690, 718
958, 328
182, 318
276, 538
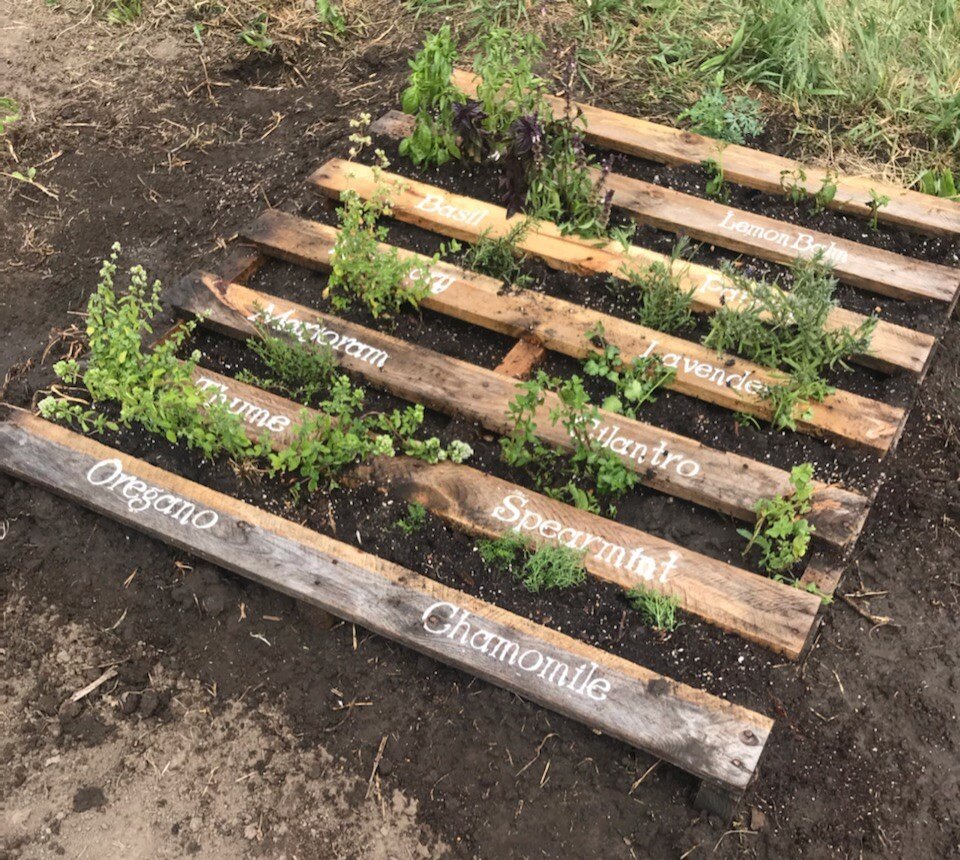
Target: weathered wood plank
709, 737
774, 615
702, 373
522, 359
893, 347
754, 168
864, 266
665, 461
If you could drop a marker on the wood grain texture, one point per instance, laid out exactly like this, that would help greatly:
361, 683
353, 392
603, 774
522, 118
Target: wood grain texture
772, 614
752, 167
893, 348
665, 461
523, 358
869, 268
709, 737
702, 373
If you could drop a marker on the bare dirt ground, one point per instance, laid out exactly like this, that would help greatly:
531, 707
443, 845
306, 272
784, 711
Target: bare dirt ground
235, 726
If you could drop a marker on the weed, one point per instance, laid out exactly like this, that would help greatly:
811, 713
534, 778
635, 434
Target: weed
782, 533
660, 302
876, 203
9, 113
939, 183
540, 568
716, 186
256, 35
414, 519
658, 610
122, 12
635, 383
584, 477
732, 120
331, 18
499, 258
786, 329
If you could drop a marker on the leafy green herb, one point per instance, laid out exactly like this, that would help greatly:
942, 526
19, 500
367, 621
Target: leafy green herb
635, 383
716, 186
331, 18
255, 34
876, 203
499, 258
414, 519
786, 329
782, 532
660, 302
827, 191
939, 183
540, 568
793, 184
584, 477
658, 610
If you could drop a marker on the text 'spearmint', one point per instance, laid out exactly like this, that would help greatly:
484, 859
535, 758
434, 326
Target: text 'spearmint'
140, 495
319, 333
452, 622
251, 413
516, 510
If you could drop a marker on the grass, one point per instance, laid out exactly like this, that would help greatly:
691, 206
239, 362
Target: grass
9, 112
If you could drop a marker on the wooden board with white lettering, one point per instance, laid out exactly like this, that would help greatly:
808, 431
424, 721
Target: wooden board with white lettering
665, 461
893, 347
722, 379
773, 614
874, 269
754, 168
711, 738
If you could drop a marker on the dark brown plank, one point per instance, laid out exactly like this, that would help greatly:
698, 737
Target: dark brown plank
709, 737
666, 461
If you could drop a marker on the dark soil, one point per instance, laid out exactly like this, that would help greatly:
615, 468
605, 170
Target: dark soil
862, 761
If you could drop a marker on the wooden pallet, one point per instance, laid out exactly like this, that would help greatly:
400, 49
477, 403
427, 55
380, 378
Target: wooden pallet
716, 740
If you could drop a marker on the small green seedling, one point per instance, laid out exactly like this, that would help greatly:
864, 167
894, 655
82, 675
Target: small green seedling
716, 186
9, 113
793, 184
256, 35
658, 610
414, 519
876, 203
827, 192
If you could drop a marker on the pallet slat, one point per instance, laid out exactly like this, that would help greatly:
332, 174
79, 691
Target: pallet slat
873, 269
665, 461
769, 613
752, 167
711, 738
702, 373
893, 347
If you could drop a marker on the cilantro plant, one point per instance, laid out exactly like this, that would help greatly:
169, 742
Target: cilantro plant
584, 477
152, 388
539, 568
786, 329
658, 610
782, 533
636, 383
